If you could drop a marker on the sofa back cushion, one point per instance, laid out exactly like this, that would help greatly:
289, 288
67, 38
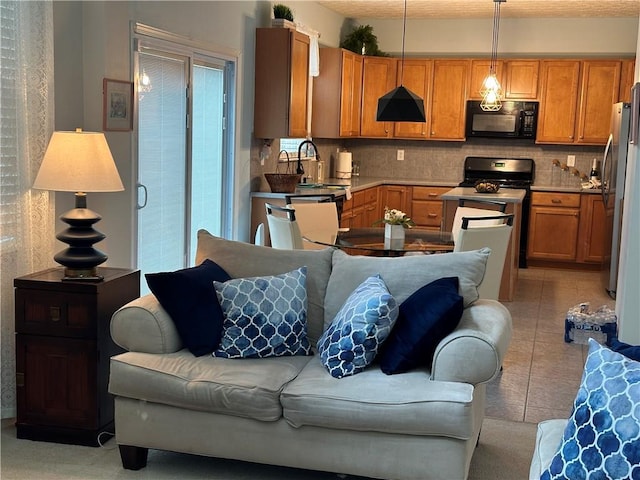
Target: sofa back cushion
246, 260
403, 275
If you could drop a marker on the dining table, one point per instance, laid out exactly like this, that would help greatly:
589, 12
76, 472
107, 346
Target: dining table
371, 241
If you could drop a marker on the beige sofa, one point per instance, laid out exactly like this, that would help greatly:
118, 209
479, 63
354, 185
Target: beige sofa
289, 411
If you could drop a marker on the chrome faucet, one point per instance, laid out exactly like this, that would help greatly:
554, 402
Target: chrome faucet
300, 169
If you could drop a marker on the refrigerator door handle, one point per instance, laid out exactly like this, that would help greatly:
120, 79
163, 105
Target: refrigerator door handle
606, 178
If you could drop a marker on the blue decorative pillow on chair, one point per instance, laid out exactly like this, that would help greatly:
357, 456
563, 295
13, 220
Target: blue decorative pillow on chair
602, 438
190, 300
426, 317
264, 316
352, 340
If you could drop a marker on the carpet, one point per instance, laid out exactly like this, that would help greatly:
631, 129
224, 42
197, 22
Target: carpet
504, 452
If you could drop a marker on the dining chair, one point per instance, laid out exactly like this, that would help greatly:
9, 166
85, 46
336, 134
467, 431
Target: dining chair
496, 236
258, 239
491, 207
317, 217
283, 227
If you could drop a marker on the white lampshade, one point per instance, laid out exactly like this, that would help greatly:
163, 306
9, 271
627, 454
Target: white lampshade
78, 162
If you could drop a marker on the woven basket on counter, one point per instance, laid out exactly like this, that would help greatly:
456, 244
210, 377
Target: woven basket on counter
283, 182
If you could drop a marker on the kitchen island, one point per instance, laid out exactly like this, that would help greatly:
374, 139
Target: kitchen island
513, 198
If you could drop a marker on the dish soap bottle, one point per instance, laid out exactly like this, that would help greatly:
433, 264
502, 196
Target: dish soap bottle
594, 175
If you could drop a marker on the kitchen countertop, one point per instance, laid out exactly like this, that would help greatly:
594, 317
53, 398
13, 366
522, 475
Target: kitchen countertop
536, 188
508, 195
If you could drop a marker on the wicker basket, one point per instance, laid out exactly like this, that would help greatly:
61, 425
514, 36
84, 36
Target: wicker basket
283, 182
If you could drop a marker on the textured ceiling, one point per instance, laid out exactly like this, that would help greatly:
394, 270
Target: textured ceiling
483, 8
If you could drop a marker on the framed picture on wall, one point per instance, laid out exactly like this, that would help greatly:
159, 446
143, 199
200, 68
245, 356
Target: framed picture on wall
117, 108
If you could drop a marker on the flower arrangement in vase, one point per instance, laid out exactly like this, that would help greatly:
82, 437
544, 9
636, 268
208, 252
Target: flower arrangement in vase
395, 221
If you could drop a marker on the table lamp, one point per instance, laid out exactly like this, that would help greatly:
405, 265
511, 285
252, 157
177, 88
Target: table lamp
79, 162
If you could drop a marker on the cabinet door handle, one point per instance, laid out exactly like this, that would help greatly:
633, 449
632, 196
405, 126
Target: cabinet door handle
556, 200
54, 314
432, 215
431, 194
19, 379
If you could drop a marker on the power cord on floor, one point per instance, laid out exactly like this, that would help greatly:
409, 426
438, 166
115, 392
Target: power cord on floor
102, 443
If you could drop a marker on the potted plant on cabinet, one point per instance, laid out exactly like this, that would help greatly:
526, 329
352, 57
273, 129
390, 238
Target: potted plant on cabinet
282, 16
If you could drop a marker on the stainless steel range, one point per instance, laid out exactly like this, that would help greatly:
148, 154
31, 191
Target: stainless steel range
508, 173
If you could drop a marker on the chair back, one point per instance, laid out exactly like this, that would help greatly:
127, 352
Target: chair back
259, 237
283, 227
318, 220
465, 211
495, 236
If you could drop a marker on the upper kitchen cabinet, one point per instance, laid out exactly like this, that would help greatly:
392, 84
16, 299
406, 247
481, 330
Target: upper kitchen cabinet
337, 94
448, 99
519, 78
416, 75
575, 100
626, 80
378, 78
281, 83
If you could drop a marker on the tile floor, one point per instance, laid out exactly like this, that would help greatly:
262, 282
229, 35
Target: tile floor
541, 372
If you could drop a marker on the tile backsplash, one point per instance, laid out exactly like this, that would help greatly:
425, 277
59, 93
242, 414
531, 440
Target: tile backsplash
438, 161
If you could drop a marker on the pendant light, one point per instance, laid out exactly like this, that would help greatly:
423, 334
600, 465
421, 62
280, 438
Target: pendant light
401, 104
491, 90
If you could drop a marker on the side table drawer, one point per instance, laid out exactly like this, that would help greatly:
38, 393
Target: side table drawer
55, 313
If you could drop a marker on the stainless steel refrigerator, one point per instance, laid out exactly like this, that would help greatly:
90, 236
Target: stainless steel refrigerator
613, 170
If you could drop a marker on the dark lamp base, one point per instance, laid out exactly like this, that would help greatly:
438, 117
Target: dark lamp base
82, 275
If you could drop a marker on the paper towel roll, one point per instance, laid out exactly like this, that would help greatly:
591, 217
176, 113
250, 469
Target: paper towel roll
343, 165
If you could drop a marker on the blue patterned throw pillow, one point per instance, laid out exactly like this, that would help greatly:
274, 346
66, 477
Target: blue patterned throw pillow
264, 316
602, 438
365, 320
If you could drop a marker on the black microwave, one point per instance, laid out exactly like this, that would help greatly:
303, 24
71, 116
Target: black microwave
514, 120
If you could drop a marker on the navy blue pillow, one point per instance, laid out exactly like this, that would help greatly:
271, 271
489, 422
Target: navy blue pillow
426, 317
629, 351
190, 299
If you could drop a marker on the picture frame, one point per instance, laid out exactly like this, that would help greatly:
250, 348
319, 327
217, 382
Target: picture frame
117, 106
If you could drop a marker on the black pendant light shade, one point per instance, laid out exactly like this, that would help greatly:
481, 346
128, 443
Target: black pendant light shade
400, 105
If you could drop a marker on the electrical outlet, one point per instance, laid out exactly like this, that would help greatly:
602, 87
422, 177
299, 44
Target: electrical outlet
571, 160
400, 155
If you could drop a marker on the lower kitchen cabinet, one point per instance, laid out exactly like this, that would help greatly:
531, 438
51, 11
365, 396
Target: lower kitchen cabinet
362, 210
395, 197
553, 226
63, 348
593, 243
426, 206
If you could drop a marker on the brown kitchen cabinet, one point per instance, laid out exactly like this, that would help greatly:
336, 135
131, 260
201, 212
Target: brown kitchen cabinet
448, 99
575, 100
518, 78
378, 78
281, 83
553, 226
416, 75
337, 94
395, 197
593, 243
426, 206
627, 72
63, 348
361, 210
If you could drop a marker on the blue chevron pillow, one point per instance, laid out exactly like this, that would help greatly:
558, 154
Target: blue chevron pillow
602, 438
354, 337
264, 316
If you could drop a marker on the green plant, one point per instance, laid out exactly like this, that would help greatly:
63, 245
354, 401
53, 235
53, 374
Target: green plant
282, 11
362, 40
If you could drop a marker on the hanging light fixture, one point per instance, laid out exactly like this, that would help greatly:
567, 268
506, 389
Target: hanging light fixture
401, 104
491, 90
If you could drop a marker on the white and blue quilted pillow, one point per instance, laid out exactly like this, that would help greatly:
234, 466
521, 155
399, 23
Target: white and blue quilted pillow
602, 439
365, 320
264, 316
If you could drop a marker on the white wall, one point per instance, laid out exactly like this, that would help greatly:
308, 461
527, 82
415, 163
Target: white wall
93, 42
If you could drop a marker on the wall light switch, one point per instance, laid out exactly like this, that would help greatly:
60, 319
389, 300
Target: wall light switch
400, 155
571, 160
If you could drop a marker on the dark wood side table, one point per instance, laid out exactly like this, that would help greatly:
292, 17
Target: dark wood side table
63, 346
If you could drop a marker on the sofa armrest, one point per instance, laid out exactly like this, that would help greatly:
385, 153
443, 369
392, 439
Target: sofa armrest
473, 352
142, 325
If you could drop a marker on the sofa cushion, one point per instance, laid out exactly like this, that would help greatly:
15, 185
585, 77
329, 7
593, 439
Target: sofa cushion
264, 316
190, 300
629, 351
548, 437
409, 403
602, 437
352, 340
247, 388
247, 260
403, 275
425, 318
